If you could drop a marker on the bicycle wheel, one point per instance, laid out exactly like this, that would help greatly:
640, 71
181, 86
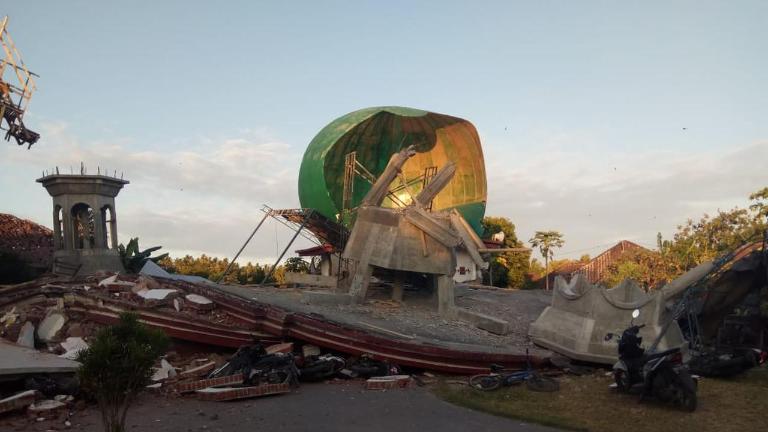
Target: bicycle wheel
485, 382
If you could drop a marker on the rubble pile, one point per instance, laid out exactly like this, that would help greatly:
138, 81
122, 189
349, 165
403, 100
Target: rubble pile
30, 242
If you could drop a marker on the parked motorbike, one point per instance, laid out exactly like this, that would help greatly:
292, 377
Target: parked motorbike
661, 375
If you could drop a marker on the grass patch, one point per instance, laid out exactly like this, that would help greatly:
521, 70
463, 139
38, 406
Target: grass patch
587, 404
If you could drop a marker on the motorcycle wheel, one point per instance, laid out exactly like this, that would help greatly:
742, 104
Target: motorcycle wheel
622, 381
485, 382
688, 401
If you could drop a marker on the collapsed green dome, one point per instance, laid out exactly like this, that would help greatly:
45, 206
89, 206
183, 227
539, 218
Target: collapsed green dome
375, 134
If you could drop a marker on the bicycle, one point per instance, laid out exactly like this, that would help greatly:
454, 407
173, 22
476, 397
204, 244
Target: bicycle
500, 376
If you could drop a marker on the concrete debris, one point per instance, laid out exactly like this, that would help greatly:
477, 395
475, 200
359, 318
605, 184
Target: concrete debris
233, 393
18, 360
64, 398
198, 371
198, 302
388, 382
165, 371
50, 326
582, 314
72, 346
114, 283
46, 406
27, 335
18, 401
156, 294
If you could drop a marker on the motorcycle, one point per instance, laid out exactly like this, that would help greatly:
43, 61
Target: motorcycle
661, 375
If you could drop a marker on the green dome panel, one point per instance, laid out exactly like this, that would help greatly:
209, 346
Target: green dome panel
376, 134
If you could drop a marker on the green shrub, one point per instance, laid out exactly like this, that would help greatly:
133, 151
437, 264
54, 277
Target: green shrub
118, 366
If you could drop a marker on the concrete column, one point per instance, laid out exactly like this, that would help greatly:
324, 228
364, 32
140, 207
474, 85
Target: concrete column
397, 287
99, 234
358, 288
57, 229
113, 225
69, 236
445, 302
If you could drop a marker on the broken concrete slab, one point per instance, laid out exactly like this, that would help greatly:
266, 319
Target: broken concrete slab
50, 326
72, 346
198, 371
485, 322
46, 407
165, 371
232, 393
19, 360
581, 314
113, 283
18, 401
156, 294
326, 298
198, 302
27, 335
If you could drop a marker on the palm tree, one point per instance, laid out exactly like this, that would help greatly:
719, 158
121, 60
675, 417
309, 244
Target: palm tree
546, 241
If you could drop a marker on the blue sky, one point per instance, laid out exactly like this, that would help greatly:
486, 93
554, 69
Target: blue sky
581, 106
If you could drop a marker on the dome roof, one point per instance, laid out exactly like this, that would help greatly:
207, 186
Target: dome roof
375, 134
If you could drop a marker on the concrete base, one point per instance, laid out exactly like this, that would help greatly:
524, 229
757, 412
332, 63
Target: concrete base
325, 298
89, 260
310, 279
485, 322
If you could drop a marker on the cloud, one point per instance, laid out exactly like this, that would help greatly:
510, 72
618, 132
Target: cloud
597, 198
204, 197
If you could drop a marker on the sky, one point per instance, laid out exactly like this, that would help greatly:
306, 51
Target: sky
603, 120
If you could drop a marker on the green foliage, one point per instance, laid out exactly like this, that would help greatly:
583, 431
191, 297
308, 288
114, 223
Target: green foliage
509, 269
296, 265
134, 259
212, 268
118, 366
760, 205
695, 242
650, 268
547, 242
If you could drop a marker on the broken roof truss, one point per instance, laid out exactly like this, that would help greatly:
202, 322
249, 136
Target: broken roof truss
17, 84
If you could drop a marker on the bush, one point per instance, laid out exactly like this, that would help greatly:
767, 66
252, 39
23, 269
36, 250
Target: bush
118, 366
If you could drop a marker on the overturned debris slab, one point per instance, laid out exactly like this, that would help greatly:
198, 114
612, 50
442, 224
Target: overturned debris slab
18, 360
233, 393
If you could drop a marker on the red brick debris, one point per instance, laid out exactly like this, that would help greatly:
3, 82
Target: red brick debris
31, 242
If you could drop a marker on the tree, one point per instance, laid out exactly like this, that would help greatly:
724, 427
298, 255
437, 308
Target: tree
509, 269
134, 259
760, 206
118, 365
296, 265
650, 268
547, 241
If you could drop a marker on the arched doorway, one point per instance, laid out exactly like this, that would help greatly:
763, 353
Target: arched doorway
83, 232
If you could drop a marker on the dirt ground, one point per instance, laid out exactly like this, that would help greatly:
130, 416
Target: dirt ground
316, 407
417, 317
